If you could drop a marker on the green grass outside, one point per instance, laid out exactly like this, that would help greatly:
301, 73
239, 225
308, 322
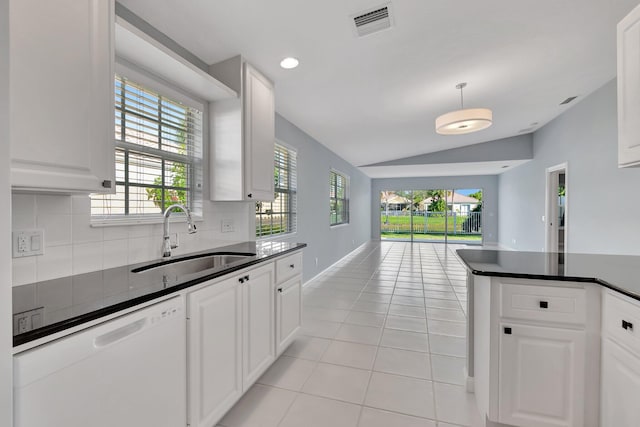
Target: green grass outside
434, 224
474, 238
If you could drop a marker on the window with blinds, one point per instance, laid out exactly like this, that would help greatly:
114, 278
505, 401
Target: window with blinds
338, 198
279, 216
158, 154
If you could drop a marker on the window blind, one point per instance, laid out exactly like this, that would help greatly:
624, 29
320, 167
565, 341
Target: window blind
338, 198
280, 216
158, 153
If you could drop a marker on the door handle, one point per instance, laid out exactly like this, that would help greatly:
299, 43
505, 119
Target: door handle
544, 304
280, 290
507, 331
118, 334
628, 326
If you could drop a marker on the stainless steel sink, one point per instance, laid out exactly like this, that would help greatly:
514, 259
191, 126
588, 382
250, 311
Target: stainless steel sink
178, 268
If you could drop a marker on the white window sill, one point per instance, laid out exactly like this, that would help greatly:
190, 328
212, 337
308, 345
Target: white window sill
150, 220
276, 237
346, 224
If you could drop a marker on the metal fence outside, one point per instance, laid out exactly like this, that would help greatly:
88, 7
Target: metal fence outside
400, 222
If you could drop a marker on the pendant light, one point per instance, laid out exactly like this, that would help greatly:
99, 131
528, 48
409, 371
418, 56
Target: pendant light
464, 121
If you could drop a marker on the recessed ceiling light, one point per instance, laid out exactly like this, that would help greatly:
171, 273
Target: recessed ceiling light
289, 63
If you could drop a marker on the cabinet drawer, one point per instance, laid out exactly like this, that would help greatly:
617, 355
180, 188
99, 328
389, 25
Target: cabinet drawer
288, 267
621, 320
545, 303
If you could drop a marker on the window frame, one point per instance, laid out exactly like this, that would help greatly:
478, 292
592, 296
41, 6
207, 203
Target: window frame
346, 216
165, 89
292, 191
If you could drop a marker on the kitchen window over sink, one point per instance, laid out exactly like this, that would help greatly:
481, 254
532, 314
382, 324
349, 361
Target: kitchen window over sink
158, 153
279, 217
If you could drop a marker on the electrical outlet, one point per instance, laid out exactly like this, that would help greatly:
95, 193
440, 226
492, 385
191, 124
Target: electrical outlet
27, 320
227, 225
27, 243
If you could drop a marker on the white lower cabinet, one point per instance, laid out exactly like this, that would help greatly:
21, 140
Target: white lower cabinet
541, 376
288, 312
620, 361
536, 348
214, 351
620, 386
258, 329
232, 337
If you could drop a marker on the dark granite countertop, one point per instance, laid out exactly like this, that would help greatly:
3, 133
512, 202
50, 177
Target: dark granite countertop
618, 272
74, 300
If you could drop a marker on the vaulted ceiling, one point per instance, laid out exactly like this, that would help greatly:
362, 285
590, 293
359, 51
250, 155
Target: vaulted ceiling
375, 98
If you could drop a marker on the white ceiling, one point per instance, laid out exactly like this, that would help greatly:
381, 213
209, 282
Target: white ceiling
375, 98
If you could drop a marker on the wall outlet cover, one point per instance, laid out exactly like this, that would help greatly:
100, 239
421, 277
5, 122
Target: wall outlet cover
27, 243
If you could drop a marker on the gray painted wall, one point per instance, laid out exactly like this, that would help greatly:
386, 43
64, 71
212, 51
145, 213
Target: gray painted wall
518, 147
488, 183
327, 244
6, 405
603, 199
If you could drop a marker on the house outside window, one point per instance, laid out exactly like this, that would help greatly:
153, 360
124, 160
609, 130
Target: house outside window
158, 155
279, 217
338, 198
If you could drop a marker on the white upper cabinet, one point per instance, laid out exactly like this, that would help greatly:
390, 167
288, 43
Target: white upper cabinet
629, 90
242, 135
61, 95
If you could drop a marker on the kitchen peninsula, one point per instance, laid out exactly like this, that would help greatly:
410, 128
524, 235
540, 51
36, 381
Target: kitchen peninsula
553, 337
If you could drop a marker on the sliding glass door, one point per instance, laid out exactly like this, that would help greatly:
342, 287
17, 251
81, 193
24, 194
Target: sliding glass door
432, 215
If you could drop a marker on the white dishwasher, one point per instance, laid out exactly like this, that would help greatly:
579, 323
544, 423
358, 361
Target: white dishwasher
127, 372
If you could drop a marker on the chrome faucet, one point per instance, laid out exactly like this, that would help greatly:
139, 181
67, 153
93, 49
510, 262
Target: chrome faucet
166, 242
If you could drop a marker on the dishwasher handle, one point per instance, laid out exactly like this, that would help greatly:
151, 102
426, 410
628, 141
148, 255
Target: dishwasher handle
119, 334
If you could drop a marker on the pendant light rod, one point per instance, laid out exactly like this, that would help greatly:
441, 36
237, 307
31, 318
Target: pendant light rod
461, 86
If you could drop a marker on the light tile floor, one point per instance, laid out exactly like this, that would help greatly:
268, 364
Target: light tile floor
383, 344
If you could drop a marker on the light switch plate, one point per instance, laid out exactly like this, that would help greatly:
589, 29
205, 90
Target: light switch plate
27, 243
227, 225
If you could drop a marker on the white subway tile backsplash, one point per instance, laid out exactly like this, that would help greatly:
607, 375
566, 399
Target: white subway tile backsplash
87, 257
81, 205
115, 253
23, 210
82, 232
72, 246
57, 229
143, 249
24, 271
115, 233
53, 204
56, 262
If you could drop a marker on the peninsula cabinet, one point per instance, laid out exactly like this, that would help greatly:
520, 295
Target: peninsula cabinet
231, 341
620, 361
533, 364
629, 89
61, 95
242, 135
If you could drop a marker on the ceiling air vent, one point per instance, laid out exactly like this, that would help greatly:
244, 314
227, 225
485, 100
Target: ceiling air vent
568, 100
373, 20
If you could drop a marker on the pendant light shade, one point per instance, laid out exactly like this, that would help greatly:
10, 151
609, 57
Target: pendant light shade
464, 120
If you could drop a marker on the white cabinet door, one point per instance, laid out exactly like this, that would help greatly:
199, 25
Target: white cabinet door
61, 95
541, 376
242, 135
258, 329
288, 312
620, 386
259, 135
629, 89
215, 351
